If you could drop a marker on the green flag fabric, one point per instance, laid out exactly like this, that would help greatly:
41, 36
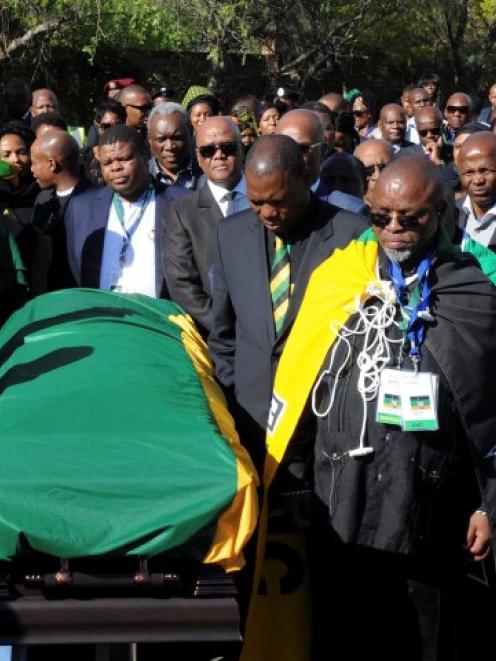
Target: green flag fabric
109, 438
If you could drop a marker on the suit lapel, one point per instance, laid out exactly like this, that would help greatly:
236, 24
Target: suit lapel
208, 208
160, 204
91, 259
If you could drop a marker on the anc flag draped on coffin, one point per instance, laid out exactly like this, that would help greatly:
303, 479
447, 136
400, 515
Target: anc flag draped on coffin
114, 437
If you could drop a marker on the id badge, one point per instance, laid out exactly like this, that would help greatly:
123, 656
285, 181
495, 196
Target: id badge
419, 401
389, 400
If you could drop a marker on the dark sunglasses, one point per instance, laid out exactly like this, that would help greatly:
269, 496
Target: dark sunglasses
107, 125
306, 149
359, 113
425, 132
462, 109
370, 170
227, 148
383, 220
146, 108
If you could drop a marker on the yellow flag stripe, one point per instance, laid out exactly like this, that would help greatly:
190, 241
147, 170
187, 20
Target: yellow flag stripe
281, 277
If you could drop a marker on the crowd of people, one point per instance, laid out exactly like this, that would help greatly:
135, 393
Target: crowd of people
339, 259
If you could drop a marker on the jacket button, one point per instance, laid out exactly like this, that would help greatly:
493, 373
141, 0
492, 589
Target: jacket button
379, 477
387, 437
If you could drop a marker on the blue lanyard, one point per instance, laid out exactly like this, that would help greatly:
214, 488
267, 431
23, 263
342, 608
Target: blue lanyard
415, 331
119, 210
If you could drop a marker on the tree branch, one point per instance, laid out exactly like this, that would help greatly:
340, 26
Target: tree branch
43, 28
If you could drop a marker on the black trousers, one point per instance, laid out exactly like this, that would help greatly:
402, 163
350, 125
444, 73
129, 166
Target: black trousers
372, 604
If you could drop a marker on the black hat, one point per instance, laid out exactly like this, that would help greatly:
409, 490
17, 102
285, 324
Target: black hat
164, 91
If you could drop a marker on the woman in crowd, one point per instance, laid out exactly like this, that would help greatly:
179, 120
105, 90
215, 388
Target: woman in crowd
268, 116
109, 113
246, 122
200, 103
19, 191
366, 113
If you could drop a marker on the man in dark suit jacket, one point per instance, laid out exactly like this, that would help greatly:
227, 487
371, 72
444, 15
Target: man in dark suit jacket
392, 123
123, 159
55, 163
190, 224
244, 344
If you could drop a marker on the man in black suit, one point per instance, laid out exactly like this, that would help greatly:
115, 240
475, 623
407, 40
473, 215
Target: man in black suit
114, 237
244, 343
392, 122
190, 224
55, 164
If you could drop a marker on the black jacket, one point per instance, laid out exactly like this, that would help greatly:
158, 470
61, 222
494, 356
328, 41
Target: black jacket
416, 492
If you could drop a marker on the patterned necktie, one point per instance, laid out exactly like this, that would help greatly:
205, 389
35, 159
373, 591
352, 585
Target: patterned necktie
280, 282
230, 197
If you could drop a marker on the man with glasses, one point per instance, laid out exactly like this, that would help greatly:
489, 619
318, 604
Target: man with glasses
430, 127
306, 129
399, 374
477, 168
138, 103
169, 137
190, 224
457, 113
375, 155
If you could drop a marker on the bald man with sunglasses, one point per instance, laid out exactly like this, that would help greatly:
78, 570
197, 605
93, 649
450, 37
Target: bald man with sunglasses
190, 224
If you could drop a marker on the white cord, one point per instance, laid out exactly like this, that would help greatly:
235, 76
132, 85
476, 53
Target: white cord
372, 323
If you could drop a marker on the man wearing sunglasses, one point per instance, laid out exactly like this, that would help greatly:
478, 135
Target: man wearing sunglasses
306, 129
375, 155
404, 497
430, 127
138, 104
190, 224
457, 113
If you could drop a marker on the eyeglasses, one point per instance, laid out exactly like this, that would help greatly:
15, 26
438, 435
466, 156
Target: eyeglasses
371, 169
146, 108
425, 132
307, 149
464, 110
227, 148
359, 113
106, 125
406, 221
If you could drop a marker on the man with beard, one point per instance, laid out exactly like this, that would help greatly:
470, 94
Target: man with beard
393, 350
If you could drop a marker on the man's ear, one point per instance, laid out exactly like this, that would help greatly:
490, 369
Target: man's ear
53, 165
96, 152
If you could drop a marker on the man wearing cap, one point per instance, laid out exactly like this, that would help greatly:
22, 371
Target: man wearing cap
288, 96
190, 224
164, 94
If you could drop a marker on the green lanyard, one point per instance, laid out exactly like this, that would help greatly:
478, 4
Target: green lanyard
128, 233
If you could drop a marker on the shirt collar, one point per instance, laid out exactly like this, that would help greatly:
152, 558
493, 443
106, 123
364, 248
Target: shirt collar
218, 192
467, 207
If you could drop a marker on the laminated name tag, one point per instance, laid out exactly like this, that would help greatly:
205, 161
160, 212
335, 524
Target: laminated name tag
419, 401
389, 401
408, 399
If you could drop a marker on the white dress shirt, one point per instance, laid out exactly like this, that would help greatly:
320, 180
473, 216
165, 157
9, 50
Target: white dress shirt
137, 275
226, 206
482, 229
